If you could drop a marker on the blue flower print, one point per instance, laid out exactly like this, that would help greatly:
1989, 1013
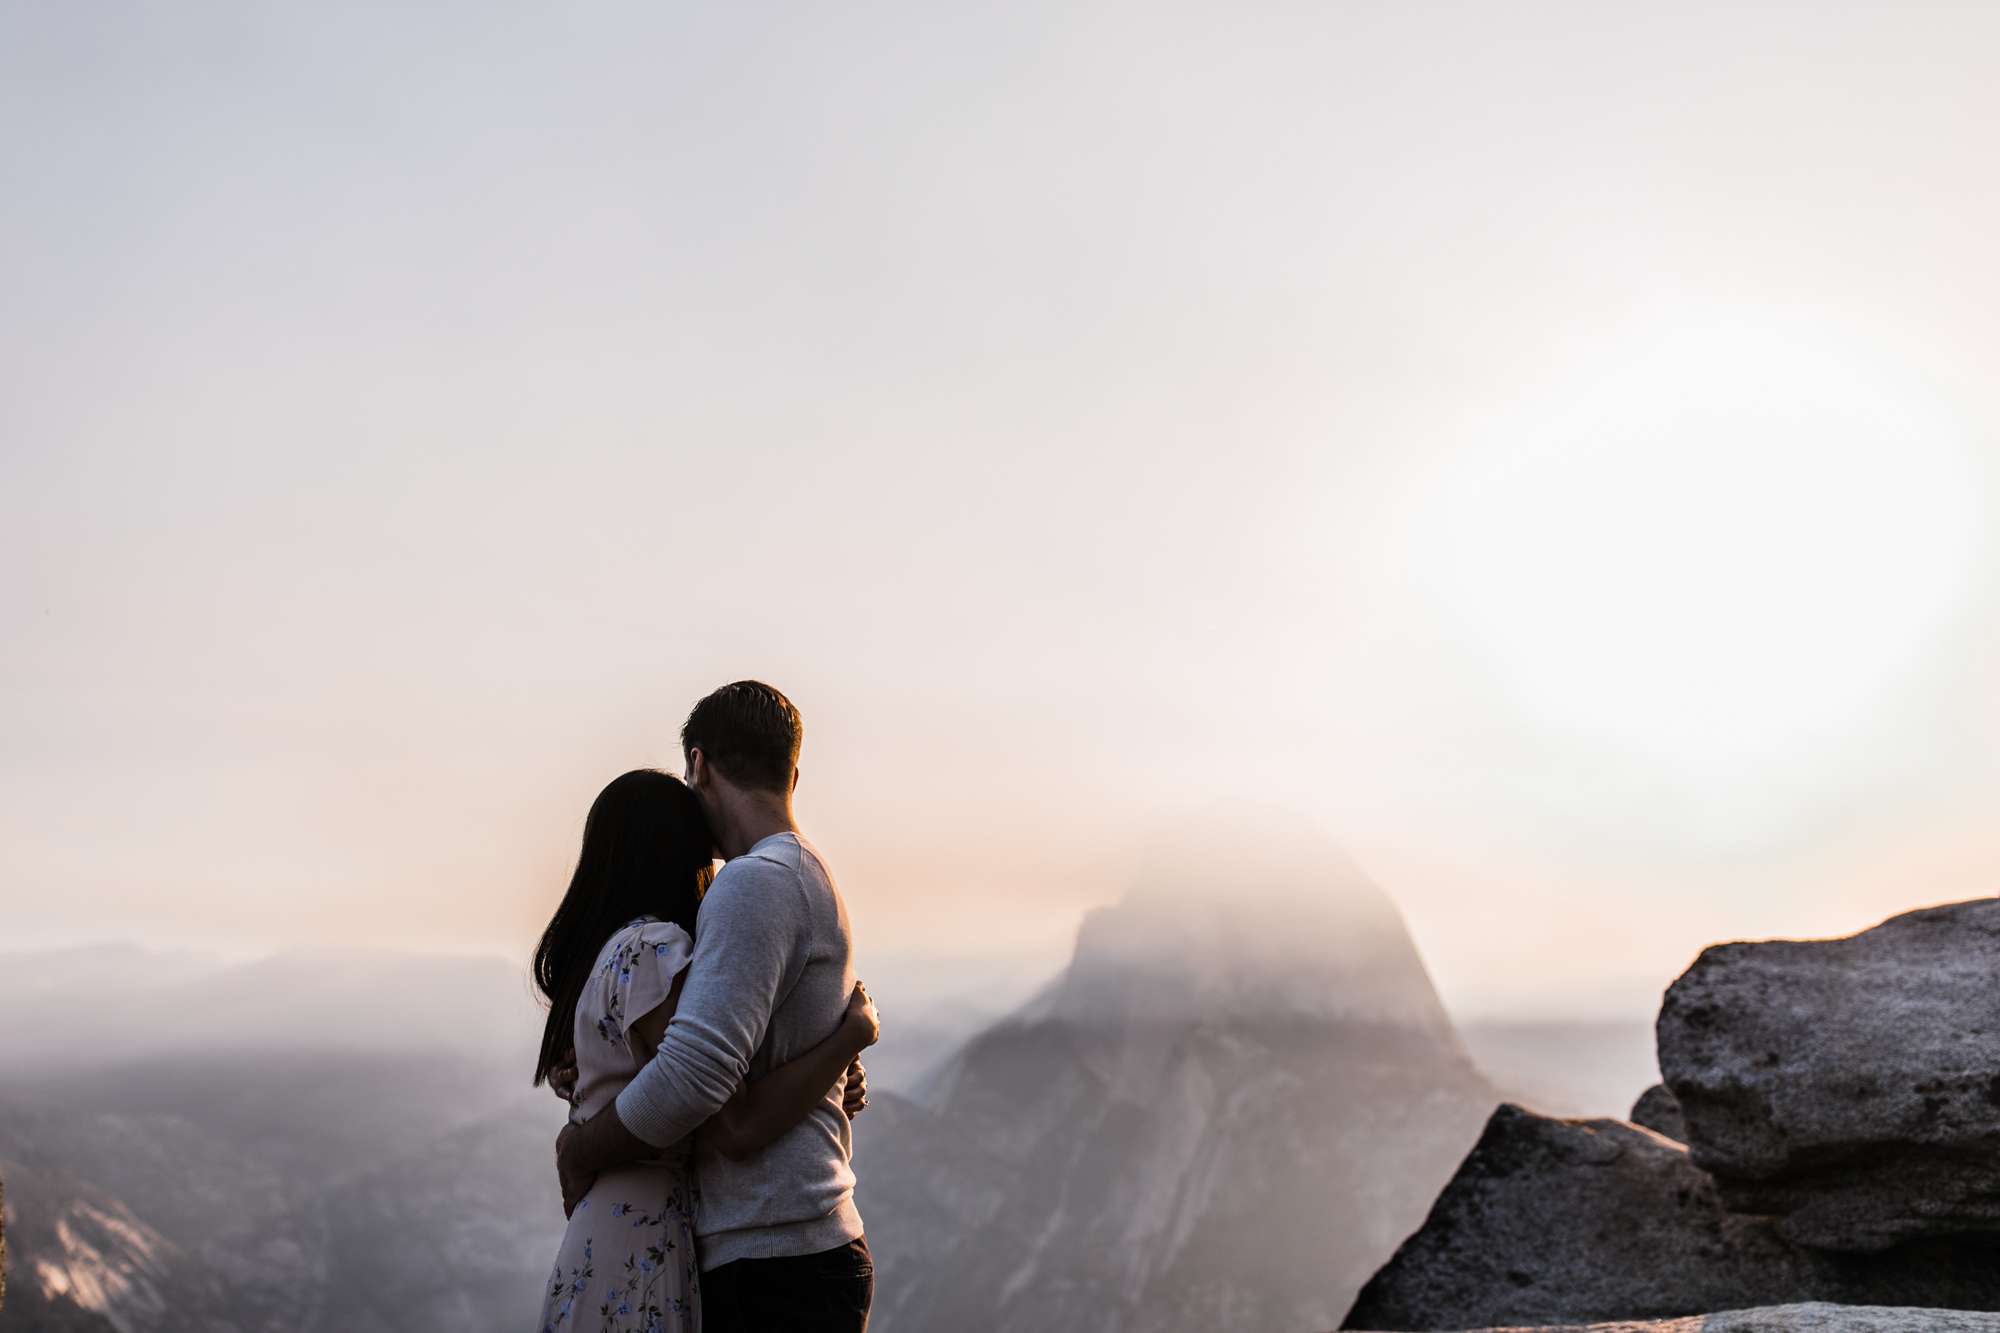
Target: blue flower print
645, 1265
617, 1210
624, 1307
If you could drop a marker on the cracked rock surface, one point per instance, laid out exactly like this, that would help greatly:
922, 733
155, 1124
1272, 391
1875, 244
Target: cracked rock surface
1579, 1222
1850, 1087
1810, 1317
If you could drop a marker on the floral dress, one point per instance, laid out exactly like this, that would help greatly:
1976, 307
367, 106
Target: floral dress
627, 1263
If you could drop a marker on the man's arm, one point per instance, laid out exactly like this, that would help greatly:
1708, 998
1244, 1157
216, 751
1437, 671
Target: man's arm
766, 1108
753, 921
747, 1122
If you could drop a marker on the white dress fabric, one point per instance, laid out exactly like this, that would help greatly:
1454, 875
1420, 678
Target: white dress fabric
627, 1262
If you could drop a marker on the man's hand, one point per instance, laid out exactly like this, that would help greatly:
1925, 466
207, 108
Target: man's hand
562, 1079
856, 1095
575, 1184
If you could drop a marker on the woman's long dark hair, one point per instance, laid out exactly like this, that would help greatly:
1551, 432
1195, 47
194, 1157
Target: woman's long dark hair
646, 851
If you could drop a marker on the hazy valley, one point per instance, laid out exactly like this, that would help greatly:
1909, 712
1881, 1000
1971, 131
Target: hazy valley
1216, 1115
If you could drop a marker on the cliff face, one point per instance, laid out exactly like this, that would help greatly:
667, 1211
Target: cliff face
1224, 1114
306, 1194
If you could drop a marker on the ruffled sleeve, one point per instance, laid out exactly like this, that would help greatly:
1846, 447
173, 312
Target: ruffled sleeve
649, 956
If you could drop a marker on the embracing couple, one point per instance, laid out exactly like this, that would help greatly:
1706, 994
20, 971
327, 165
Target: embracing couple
706, 1027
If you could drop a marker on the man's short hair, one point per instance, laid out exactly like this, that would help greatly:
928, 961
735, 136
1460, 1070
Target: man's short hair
749, 733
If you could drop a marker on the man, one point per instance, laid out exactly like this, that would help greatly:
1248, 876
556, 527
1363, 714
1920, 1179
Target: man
782, 1249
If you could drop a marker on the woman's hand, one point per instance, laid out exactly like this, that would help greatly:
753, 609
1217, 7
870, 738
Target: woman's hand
861, 1019
562, 1079
856, 1094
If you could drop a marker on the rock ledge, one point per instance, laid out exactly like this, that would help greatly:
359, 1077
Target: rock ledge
1812, 1317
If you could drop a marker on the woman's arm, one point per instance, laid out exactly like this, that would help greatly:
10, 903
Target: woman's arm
650, 1026
762, 1111
603, 1142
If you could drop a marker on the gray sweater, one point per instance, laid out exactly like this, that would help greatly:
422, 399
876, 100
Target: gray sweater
772, 971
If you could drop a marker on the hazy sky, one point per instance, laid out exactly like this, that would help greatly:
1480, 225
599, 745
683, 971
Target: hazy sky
1550, 445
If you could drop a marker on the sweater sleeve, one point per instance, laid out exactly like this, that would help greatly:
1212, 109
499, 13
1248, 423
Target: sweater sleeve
748, 952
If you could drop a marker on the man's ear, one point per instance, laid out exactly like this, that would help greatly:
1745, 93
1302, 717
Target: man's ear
697, 767
795, 778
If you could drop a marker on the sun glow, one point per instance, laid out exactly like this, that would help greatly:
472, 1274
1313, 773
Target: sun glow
1724, 555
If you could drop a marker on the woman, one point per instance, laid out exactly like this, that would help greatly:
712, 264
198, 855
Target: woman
611, 964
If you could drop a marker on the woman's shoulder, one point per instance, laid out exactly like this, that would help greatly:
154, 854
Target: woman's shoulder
645, 935
635, 973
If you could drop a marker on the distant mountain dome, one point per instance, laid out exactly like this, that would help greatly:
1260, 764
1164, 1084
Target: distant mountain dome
1226, 1113
1257, 915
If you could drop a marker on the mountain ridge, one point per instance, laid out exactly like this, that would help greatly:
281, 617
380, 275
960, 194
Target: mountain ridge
1220, 1114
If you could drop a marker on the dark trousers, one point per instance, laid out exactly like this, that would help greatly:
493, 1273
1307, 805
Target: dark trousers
828, 1292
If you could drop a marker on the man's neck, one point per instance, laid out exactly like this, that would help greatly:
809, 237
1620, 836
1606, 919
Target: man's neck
750, 818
